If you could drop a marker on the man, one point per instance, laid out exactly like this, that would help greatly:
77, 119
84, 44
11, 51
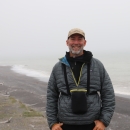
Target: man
100, 98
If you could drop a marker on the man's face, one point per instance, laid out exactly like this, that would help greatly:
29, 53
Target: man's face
76, 44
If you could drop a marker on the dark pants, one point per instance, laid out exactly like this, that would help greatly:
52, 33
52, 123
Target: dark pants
78, 127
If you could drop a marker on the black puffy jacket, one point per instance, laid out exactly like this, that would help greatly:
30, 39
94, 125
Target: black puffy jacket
100, 106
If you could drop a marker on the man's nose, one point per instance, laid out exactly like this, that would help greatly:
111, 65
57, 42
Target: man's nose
76, 42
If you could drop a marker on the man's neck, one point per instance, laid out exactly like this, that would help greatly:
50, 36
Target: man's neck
75, 55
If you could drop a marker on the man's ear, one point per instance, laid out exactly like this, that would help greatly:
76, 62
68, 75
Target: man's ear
67, 42
85, 42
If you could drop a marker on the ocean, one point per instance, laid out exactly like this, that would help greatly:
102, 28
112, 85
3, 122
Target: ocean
117, 65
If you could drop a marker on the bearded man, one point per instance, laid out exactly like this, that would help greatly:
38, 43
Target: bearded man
80, 94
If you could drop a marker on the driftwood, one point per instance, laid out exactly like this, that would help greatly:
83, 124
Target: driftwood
1, 83
7, 121
32, 104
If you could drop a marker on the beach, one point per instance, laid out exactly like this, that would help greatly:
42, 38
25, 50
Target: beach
32, 93
29, 92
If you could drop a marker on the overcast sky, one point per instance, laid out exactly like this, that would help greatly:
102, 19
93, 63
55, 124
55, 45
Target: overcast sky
39, 27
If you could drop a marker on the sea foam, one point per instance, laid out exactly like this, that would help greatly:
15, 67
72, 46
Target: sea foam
23, 69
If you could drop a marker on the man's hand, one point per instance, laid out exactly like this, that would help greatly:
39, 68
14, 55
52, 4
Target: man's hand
99, 125
57, 126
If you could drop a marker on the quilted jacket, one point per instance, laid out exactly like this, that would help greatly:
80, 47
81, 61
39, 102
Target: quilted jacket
100, 106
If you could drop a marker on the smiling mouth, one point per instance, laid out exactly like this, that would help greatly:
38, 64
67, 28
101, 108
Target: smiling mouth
76, 47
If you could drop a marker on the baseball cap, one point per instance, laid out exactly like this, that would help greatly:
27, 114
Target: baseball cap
76, 31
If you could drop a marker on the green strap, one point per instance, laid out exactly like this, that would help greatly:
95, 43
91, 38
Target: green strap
88, 78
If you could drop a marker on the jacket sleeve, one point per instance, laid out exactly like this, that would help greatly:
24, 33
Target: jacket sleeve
107, 97
52, 100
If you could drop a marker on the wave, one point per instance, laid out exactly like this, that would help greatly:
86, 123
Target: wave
22, 69
44, 76
123, 93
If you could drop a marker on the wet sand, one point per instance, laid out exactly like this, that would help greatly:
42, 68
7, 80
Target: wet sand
33, 93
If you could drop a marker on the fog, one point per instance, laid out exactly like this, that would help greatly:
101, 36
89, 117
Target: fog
36, 28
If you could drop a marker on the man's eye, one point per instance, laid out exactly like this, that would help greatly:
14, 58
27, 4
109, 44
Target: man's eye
80, 39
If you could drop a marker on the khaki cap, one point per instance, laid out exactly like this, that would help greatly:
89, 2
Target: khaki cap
76, 31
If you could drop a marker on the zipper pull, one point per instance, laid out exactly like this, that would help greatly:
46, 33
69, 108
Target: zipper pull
75, 63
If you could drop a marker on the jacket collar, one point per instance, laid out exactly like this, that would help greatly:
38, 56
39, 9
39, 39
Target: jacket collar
86, 57
64, 61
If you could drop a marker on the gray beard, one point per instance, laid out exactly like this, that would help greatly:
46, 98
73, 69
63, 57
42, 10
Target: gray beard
75, 52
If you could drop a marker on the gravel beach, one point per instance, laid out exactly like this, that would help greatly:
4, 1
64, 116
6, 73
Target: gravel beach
32, 93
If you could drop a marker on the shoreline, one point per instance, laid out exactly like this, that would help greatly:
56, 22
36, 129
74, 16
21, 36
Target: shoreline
122, 95
32, 92
26, 89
